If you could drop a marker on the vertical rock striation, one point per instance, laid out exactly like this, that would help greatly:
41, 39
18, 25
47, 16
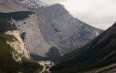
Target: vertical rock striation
60, 29
49, 26
32, 36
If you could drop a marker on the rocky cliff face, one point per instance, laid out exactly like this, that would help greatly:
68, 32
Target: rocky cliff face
11, 6
50, 26
98, 55
30, 32
62, 30
18, 45
14, 57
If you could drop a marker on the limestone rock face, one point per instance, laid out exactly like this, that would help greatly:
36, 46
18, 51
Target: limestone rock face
32, 36
49, 26
18, 45
11, 6
60, 29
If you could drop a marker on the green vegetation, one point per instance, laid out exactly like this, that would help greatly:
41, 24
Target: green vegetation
98, 53
30, 66
16, 15
38, 58
7, 62
5, 26
6, 37
23, 35
51, 55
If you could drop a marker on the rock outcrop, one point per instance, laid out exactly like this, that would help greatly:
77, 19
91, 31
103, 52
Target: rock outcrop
11, 6
49, 26
14, 56
18, 45
33, 38
60, 29
98, 56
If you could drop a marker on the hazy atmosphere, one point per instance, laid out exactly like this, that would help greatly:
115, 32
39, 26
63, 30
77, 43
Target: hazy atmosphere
98, 13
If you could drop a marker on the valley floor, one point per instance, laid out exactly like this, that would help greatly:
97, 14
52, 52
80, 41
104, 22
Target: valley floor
46, 66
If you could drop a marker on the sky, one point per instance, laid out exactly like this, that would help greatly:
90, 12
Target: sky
98, 13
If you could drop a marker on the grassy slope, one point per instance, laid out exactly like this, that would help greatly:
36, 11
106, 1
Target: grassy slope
95, 55
5, 26
7, 63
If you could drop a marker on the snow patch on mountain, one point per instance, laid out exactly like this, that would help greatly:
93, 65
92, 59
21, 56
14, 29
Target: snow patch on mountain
33, 3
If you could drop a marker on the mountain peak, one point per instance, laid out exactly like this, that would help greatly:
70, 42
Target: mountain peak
33, 3
49, 26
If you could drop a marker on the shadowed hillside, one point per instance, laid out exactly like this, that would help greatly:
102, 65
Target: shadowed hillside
98, 53
16, 15
8, 64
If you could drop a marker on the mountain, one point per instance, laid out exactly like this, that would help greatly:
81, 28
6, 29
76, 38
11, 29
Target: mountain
62, 30
11, 6
47, 28
98, 53
14, 56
